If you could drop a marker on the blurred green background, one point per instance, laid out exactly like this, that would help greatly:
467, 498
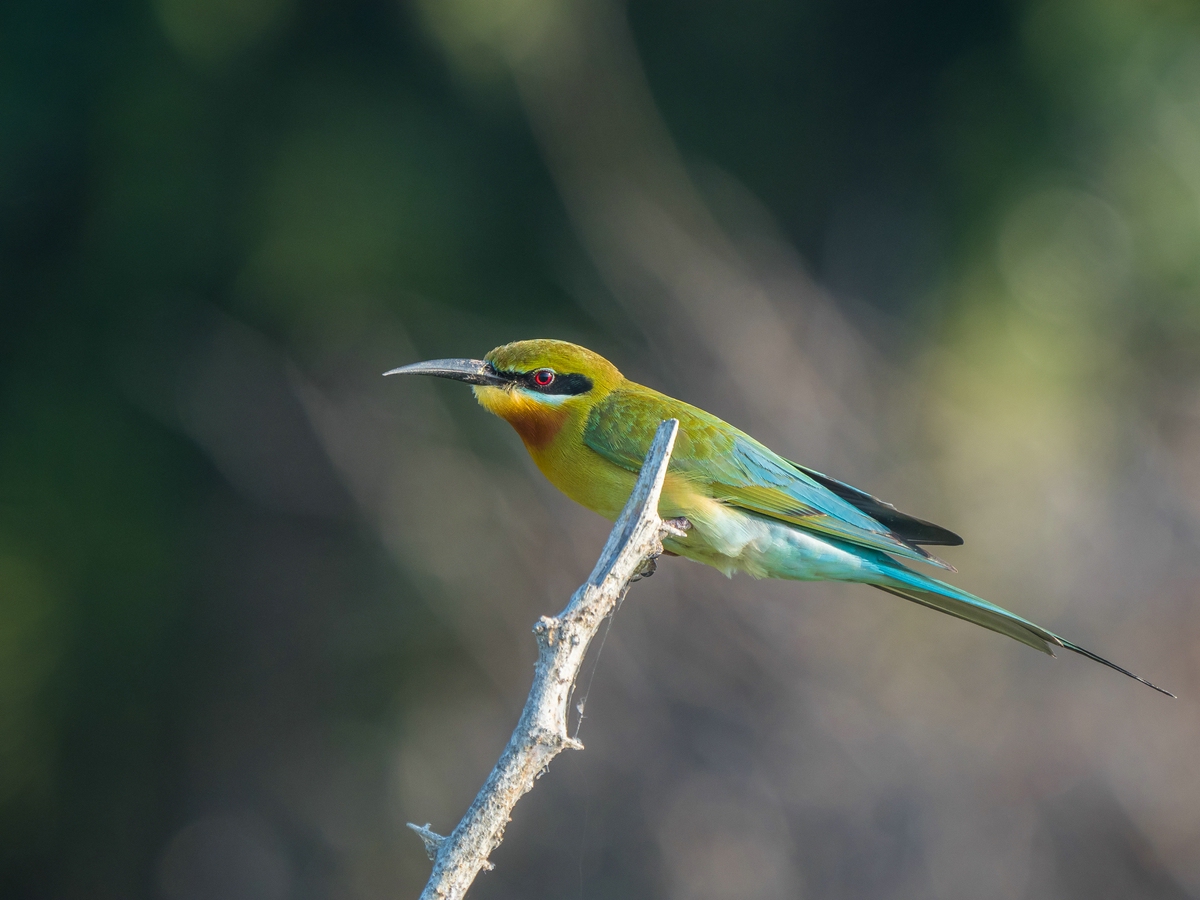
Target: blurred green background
259, 608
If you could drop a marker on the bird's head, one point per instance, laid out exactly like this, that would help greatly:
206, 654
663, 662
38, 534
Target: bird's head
537, 386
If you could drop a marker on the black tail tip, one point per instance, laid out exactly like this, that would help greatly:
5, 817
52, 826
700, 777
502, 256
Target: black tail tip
1100, 659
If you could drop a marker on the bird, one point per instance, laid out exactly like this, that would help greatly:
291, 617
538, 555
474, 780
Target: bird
731, 503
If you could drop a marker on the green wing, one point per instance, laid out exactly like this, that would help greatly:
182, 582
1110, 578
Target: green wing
739, 471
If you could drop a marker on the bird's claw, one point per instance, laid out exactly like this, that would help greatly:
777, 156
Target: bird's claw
677, 527
649, 567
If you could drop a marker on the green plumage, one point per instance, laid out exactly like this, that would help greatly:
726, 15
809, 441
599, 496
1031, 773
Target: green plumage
734, 468
588, 428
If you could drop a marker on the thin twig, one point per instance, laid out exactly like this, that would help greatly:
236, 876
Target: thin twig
541, 733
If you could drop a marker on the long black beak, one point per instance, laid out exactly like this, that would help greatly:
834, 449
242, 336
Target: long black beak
472, 371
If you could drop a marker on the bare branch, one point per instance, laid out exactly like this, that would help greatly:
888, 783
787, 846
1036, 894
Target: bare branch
541, 734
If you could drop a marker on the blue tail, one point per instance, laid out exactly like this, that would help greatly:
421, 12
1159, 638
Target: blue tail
904, 582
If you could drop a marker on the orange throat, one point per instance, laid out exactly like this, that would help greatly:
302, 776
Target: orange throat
536, 423
537, 427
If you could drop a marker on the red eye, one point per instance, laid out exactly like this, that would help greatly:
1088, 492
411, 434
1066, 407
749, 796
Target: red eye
543, 377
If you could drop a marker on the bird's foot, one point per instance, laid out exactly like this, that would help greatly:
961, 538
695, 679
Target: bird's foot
649, 567
677, 527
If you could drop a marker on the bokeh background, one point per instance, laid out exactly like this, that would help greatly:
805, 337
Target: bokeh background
260, 607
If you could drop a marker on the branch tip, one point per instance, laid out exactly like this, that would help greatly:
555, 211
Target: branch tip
432, 841
677, 527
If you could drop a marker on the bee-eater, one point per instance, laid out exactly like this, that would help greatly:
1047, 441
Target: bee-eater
740, 506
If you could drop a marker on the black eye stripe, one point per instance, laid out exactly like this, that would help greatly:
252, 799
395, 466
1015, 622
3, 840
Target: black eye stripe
562, 384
